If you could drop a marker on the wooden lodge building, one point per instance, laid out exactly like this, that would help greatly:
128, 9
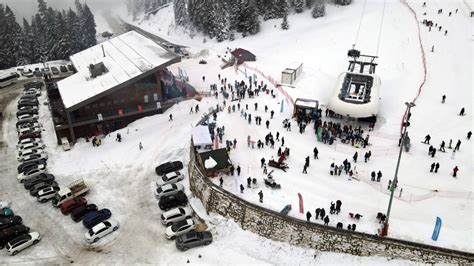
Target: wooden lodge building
117, 82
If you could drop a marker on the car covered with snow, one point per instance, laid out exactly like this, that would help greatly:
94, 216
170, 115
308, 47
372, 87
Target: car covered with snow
28, 141
22, 242
33, 145
176, 215
24, 153
22, 177
35, 157
169, 178
179, 228
168, 189
24, 166
100, 230
47, 193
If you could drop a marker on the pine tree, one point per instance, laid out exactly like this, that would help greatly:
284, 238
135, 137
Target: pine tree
284, 24
88, 28
180, 12
248, 18
73, 32
299, 6
27, 45
10, 39
319, 9
280, 8
309, 4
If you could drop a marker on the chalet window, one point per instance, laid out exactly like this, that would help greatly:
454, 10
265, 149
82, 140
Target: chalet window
145, 98
155, 97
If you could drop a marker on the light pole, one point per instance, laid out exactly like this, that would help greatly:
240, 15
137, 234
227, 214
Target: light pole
395, 179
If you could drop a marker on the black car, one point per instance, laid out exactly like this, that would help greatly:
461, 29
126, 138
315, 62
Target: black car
32, 97
54, 70
26, 121
70, 67
30, 182
34, 189
168, 167
79, 213
29, 135
33, 84
63, 68
10, 221
171, 201
12, 232
28, 111
26, 165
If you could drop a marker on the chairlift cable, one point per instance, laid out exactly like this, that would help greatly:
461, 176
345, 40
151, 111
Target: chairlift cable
360, 24
380, 30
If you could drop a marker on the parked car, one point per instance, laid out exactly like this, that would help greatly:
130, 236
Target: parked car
176, 215
22, 154
168, 167
35, 156
41, 163
28, 141
21, 108
34, 84
32, 125
43, 177
30, 134
47, 193
55, 70
30, 111
29, 97
96, 217
12, 232
169, 178
32, 91
33, 145
37, 73
10, 221
168, 189
42, 185
6, 212
63, 68
193, 239
179, 228
25, 130
46, 70
26, 121
29, 174
27, 102
26, 116
74, 190
171, 201
70, 67
19, 243
68, 206
33, 167
101, 229
80, 212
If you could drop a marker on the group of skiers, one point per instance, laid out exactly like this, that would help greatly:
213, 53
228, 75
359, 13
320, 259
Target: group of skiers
320, 213
429, 23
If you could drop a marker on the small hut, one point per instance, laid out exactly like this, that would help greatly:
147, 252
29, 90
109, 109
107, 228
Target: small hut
241, 55
306, 108
215, 162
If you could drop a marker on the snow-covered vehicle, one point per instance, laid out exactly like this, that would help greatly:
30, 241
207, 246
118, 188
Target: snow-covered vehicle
168, 189
100, 230
169, 178
27, 116
28, 141
29, 174
179, 228
22, 154
75, 189
176, 215
47, 193
35, 156
32, 145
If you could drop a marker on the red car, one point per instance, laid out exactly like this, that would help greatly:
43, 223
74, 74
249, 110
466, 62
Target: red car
68, 206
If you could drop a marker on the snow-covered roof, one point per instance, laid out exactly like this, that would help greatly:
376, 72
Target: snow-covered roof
210, 163
126, 56
308, 103
201, 136
294, 65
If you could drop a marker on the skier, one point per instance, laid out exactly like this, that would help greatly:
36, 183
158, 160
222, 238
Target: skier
256, 106
349, 227
432, 48
267, 123
260, 195
140, 146
469, 134
458, 144
331, 169
338, 206
339, 225
433, 152
242, 188
332, 209
323, 213
308, 216
366, 156
326, 220
278, 136
355, 157
430, 150
266, 108
119, 137
262, 162
282, 141
317, 211
304, 168
353, 227
307, 160
373, 176
427, 139
462, 112
249, 182
443, 99
441, 147
221, 181
232, 170
171, 117
379, 176
436, 167
315, 152
271, 115
238, 170
455, 171
450, 143
432, 167
265, 169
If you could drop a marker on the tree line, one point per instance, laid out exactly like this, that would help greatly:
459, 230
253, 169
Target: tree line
50, 35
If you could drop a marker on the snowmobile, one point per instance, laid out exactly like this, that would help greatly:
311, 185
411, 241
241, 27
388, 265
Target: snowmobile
271, 183
280, 165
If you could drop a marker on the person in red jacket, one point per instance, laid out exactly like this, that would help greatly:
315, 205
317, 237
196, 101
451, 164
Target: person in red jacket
455, 171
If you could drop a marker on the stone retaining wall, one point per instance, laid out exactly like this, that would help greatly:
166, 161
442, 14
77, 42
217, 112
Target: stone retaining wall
275, 226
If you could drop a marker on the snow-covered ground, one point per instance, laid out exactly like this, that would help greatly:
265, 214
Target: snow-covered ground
121, 176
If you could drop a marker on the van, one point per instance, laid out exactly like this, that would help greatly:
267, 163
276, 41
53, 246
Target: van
65, 144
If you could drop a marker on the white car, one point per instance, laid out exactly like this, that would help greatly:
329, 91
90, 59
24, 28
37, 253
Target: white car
29, 174
28, 141
31, 145
24, 153
28, 116
35, 156
21, 108
168, 189
4, 204
169, 178
100, 230
180, 228
176, 215
32, 91
21, 242
29, 129
47, 193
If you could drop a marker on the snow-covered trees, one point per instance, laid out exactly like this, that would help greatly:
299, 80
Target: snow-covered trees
319, 9
309, 4
284, 24
180, 12
299, 6
10, 33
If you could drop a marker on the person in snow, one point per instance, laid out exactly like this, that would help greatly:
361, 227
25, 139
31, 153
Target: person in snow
266, 108
232, 170
140, 146
331, 169
455, 171
353, 227
355, 157
307, 160
242, 188
282, 141
262, 161
436, 167
119, 137
339, 225
278, 136
260, 196
469, 134
430, 150
238, 170
372, 175
315, 153
445, 32
256, 106
432, 167
308, 216
332, 209
427, 139
221, 181
433, 152
249, 182
458, 144
264, 169
443, 99
379, 176
338, 206
323, 213
305, 167
317, 211
271, 114
462, 112
171, 117
432, 48
326, 220
267, 123
441, 146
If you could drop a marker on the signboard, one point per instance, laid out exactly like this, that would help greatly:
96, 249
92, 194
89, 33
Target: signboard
158, 105
100, 117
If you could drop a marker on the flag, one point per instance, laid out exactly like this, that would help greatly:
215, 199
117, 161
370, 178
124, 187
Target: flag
436, 229
301, 203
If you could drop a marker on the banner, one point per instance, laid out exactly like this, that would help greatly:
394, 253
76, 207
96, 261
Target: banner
301, 203
139, 108
281, 106
436, 229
